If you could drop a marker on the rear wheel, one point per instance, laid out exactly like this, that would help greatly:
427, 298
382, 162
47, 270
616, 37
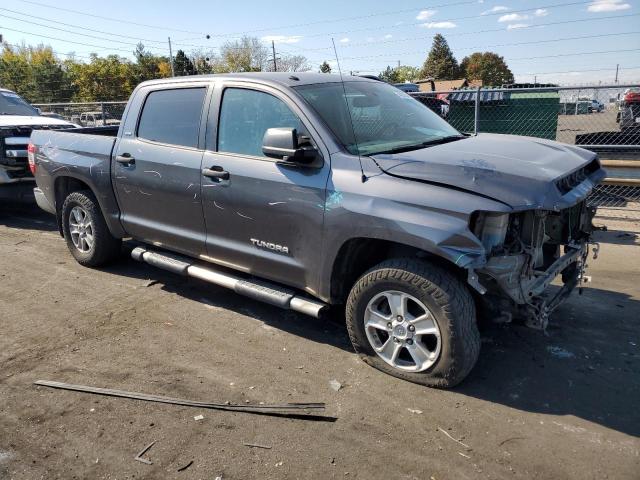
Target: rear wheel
414, 320
85, 231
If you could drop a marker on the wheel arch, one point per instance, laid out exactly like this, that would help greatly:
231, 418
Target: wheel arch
66, 184
357, 255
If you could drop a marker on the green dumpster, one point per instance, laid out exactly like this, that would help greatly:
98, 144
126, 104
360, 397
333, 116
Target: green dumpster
533, 114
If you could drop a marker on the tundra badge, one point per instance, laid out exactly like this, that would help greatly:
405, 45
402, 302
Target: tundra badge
271, 246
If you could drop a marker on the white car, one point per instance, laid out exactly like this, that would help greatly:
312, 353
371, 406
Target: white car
17, 119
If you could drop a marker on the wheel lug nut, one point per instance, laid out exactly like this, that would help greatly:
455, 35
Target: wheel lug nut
412, 328
399, 318
389, 325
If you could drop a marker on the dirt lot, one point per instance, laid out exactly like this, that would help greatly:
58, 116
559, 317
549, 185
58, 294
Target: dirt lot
571, 125
564, 405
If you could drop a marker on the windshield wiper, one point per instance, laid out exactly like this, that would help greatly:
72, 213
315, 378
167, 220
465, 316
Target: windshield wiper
418, 146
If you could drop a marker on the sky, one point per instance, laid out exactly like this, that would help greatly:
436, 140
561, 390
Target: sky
559, 41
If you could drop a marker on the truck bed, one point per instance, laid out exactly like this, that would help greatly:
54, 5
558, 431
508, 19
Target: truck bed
82, 154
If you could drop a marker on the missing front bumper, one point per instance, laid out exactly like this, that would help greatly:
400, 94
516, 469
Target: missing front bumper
508, 277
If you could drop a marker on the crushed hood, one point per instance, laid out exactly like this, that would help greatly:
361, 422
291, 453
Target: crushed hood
518, 171
26, 120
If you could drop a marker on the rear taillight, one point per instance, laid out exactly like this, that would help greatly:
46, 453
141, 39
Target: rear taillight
31, 155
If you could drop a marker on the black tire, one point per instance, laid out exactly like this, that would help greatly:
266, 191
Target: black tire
450, 303
105, 247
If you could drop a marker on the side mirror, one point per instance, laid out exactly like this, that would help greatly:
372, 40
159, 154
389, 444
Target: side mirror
283, 144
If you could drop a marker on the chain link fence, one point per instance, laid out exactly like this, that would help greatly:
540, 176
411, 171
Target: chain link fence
86, 114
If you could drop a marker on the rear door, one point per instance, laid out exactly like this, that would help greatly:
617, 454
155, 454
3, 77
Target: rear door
267, 217
157, 167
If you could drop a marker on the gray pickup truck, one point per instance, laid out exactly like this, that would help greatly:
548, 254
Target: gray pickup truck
308, 191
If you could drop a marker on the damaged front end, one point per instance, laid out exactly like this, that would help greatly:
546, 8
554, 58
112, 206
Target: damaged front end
526, 251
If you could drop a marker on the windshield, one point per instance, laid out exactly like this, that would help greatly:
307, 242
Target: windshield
384, 117
12, 104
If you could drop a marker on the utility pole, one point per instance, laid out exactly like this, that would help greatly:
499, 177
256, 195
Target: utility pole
173, 73
617, 68
398, 63
273, 49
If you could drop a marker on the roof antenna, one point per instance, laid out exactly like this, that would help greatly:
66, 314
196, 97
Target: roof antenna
353, 130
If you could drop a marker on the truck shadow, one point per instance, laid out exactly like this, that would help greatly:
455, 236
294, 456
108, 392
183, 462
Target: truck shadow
322, 330
588, 366
26, 215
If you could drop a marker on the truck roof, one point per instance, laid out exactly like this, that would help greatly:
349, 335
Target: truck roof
289, 79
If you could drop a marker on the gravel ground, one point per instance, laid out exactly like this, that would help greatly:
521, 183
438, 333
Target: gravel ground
564, 405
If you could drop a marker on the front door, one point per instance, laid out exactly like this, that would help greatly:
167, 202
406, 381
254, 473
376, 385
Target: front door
157, 170
266, 218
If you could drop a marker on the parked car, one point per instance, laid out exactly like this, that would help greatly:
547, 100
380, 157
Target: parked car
97, 119
407, 87
596, 106
306, 191
629, 110
17, 120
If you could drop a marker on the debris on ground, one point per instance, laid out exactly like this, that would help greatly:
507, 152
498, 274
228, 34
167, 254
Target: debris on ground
279, 464
463, 455
139, 458
414, 410
198, 417
455, 439
335, 385
182, 469
291, 410
559, 352
257, 445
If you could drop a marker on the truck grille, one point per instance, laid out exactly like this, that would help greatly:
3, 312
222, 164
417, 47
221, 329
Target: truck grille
13, 148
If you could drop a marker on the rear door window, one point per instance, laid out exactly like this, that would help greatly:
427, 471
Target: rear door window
172, 116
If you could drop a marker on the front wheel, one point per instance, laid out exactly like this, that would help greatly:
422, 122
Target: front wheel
414, 320
85, 231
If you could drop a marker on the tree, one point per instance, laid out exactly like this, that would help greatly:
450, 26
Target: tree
440, 63
245, 55
290, 63
389, 75
325, 67
488, 67
149, 66
36, 73
103, 79
183, 65
407, 73
401, 74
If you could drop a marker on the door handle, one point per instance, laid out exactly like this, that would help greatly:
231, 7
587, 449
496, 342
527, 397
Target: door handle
215, 172
125, 159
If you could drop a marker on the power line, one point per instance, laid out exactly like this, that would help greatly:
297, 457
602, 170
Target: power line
344, 19
530, 9
458, 34
306, 24
318, 22
64, 40
118, 20
479, 47
31, 16
74, 33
